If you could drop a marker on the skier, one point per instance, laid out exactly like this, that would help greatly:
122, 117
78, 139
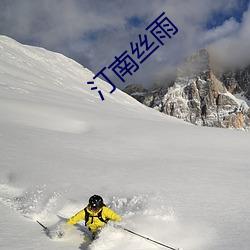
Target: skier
95, 214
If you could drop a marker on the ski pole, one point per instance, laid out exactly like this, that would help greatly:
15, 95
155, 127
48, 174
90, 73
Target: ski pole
146, 238
45, 228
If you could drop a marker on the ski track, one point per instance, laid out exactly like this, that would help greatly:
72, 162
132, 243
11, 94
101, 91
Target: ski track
144, 214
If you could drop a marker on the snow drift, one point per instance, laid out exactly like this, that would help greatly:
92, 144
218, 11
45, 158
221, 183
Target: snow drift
182, 185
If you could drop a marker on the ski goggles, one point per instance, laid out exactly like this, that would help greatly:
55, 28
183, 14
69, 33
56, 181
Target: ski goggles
94, 208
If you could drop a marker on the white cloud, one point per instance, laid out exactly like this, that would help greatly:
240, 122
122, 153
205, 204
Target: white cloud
233, 50
95, 31
228, 28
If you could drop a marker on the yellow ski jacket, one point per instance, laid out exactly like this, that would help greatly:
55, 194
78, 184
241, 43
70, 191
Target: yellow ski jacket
94, 223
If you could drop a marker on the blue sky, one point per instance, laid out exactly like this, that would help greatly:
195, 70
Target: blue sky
218, 17
93, 32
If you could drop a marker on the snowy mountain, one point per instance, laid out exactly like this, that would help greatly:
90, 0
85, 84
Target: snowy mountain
201, 96
182, 185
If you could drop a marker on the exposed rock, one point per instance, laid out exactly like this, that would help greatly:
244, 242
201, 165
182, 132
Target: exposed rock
137, 91
237, 81
134, 88
198, 96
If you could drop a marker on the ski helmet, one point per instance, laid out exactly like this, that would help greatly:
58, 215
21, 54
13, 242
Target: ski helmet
95, 202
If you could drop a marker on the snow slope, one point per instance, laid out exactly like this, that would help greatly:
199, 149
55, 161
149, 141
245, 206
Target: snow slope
179, 184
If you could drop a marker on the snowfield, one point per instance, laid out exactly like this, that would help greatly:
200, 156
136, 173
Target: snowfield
182, 185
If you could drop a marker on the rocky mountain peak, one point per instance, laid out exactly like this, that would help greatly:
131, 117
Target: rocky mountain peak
200, 96
197, 64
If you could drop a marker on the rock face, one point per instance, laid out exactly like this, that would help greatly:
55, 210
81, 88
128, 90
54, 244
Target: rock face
200, 97
237, 81
136, 90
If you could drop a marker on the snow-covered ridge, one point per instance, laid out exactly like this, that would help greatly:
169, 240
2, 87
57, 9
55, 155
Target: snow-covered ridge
35, 66
44, 77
